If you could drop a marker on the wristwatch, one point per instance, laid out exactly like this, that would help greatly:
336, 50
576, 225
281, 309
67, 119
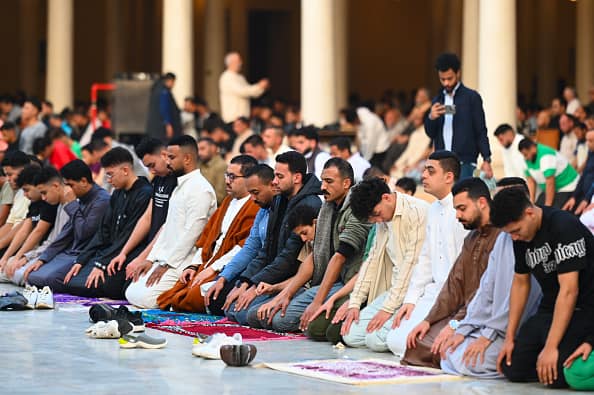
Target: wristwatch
454, 324
161, 263
488, 160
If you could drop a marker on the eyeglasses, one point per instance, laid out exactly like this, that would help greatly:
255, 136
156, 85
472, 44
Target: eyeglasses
231, 177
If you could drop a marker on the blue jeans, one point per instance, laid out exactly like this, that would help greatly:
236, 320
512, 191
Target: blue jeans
467, 170
241, 317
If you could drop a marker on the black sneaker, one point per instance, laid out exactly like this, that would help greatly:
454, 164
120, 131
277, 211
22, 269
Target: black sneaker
101, 312
134, 317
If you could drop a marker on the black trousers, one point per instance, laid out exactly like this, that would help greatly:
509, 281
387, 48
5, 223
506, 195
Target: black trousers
558, 201
215, 307
531, 340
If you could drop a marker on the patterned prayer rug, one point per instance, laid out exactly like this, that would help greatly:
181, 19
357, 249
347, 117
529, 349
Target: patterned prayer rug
196, 329
156, 316
362, 372
84, 301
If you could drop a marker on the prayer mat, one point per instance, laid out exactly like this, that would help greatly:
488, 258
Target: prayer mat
156, 316
84, 301
362, 372
196, 329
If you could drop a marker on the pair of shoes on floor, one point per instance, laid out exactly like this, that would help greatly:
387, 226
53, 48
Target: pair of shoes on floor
142, 340
38, 299
210, 347
103, 312
113, 329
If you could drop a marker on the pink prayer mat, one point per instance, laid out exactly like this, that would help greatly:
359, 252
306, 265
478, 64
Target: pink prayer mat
362, 372
229, 328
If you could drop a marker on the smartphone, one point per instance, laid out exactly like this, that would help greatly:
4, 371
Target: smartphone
450, 109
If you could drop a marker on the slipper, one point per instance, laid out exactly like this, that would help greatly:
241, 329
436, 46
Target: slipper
142, 341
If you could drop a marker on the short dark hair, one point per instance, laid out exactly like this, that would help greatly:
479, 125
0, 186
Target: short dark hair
342, 143
309, 132
294, 160
508, 206
344, 168
474, 186
102, 133
76, 170
206, 140
16, 159
245, 161
526, 144
447, 61
302, 215
8, 126
562, 101
185, 142
117, 156
373, 172
40, 144
35, 102
48, 174
513, 182
254, 140
262, 171
28, 175
149, 146
55, 133
97, 145
407, 184
448, 161
243, 120
366, 195
350, 115
169, 76
504, 127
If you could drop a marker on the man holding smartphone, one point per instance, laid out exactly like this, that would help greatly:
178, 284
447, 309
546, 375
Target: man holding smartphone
456, 121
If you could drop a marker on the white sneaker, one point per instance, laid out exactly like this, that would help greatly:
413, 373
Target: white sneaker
31, 294
212, 349
45, 299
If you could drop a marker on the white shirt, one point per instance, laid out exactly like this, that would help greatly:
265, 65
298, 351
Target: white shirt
448, 119
370, 132
234, 206
572, 106
20, 206
442, 245
418, 143
514, 164
235, 95
359, 165
191, 204
272, 155
319, 162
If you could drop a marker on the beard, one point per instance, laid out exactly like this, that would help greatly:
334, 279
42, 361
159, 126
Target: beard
176, 172
472, 225
506, 146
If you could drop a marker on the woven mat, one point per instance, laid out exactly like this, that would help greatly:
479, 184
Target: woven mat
84, 301
156, 316
362, 372
194, 329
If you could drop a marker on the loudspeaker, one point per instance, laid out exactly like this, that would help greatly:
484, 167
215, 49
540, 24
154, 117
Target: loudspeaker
131, 103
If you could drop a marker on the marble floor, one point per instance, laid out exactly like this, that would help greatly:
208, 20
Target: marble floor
47, 352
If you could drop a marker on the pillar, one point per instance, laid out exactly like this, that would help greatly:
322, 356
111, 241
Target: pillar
497, 68
470, 39
59, 78
214, 50
340, 55
584, 49
178, 46
114, 45
318, 84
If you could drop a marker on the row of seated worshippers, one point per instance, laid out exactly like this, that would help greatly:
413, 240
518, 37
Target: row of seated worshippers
364, 265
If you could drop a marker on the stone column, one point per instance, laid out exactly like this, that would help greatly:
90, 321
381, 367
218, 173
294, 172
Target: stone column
214, 50
470, 39
59, 78
497, 67
318, 83
178, 46
340, 54
584, 75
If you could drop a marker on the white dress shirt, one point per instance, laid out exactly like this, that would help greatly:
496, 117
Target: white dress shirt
191, 204
235, 94
359, 165
448, 119
370, 132
514, 164
443, 243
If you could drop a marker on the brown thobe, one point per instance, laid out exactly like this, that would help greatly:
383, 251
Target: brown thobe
462, 283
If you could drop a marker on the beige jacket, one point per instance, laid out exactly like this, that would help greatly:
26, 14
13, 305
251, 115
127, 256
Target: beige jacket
235, 94
382, 272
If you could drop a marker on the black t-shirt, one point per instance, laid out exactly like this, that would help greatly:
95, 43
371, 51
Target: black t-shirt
162, 189
561, 245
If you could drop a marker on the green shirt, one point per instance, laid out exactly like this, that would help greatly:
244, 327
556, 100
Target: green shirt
550, 162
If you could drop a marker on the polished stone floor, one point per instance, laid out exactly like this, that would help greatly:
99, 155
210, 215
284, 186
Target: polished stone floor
46, 352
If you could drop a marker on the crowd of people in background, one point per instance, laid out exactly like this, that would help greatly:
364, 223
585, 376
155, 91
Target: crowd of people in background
249, 213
